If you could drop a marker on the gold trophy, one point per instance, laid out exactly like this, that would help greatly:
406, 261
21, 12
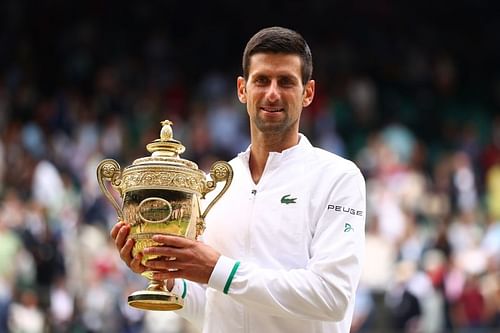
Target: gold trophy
161, 195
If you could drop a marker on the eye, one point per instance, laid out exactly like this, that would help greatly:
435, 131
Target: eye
286, 82
261, 80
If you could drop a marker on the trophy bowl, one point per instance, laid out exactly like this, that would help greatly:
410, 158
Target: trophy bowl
160, 194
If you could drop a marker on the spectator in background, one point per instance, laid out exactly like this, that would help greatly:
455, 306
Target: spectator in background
25, 316
2, 166
404, 306
10, 247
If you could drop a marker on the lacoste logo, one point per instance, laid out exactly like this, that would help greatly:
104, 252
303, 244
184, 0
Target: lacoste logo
348, 227
286, 200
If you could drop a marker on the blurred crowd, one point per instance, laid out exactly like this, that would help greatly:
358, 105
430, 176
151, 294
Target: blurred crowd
420, 121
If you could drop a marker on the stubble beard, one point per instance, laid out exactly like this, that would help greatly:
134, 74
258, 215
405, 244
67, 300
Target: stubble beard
274, 127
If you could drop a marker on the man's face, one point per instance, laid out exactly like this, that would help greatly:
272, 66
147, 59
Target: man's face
274, 92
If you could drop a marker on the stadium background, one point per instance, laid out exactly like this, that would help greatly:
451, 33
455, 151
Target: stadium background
408, 90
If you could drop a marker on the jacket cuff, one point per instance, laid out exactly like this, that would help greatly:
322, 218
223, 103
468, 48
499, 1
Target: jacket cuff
180, 288
223, 274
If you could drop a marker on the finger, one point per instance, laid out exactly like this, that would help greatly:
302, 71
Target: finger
121, 237
165, 251
135, 264
126, 251
114, 231
173, 241
165, 264
170, 284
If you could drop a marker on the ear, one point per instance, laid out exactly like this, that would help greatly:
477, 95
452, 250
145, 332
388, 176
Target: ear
308, 93
242, 90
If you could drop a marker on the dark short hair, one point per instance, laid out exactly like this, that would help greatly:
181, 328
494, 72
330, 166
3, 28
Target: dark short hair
279, 40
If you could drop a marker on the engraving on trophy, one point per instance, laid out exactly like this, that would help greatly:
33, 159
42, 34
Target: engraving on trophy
154, 210
164, 179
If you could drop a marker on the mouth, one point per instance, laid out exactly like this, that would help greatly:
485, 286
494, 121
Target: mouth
272, 109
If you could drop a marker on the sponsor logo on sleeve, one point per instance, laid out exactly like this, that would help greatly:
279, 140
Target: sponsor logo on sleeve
345, 209
348, 227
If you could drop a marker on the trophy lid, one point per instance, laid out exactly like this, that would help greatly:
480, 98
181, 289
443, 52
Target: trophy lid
166, 150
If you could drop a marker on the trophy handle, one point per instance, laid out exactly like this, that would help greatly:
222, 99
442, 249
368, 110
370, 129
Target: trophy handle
109, 170
220, 171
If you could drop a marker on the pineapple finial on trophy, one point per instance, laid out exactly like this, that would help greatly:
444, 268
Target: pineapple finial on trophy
166, 145
166, 131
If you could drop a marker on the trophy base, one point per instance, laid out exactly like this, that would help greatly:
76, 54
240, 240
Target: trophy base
155, 300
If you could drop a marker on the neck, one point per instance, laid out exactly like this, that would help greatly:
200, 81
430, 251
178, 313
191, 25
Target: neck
262, 145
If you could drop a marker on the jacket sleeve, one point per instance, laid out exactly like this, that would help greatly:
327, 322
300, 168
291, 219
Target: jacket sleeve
324, 288
193, 295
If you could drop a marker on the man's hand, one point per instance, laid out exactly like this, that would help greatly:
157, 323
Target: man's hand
181, 258
119, 233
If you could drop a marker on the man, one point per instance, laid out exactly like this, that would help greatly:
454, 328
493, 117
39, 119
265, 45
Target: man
283, 247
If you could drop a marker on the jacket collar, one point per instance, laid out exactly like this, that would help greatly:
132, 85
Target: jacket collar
275, 157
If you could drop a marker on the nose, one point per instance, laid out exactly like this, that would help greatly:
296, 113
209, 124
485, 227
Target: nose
272, 93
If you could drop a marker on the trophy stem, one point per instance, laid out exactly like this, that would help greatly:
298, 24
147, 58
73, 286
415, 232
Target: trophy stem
155, 297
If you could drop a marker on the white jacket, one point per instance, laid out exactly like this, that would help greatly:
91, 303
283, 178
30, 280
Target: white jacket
291, 246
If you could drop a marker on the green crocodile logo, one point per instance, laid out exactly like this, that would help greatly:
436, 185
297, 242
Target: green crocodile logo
286, 200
